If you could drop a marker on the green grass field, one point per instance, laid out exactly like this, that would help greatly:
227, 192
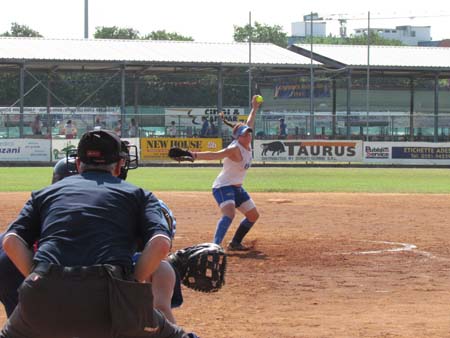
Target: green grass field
371, 180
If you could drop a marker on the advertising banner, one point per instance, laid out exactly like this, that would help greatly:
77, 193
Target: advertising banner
199, 122
406, 153
190, 117
301, 90
24, 150
60, 147
307, 151
158, 147
377, 152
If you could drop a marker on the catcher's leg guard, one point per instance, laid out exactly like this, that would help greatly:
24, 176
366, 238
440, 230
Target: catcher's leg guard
222, 228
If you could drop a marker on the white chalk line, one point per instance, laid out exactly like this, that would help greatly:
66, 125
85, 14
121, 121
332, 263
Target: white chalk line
399, 247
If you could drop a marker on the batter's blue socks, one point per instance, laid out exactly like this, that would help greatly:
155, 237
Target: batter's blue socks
222, 228
242, 230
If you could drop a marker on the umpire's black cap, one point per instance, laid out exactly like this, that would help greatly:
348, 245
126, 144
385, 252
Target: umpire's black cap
100, 147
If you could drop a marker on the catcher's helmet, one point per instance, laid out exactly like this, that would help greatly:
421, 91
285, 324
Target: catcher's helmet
170, 218
171, 221
63, 168
130, 156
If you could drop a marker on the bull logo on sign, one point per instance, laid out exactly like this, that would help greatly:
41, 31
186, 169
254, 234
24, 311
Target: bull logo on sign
275, 147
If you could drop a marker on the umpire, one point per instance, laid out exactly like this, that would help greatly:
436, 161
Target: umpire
80, 281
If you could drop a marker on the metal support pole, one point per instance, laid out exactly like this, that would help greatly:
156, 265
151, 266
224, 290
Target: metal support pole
136, 94
122, 99
311, 90
137, 117
22, 98
219, 99
86, 19
411, 109
436, 108
250, 34
368, 77
349, 99
49, 115
333, 126
49, 104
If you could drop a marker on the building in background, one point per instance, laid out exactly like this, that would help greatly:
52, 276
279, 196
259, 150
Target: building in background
408, 35
303, 29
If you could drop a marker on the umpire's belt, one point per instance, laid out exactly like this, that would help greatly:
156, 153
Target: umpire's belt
99, 270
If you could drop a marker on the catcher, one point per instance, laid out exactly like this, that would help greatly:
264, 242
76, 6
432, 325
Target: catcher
200, 267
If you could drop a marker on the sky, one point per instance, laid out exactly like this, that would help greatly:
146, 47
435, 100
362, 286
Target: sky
212, 20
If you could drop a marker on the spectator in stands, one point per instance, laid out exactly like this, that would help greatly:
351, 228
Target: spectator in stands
172, 130
118, 128
36, 125
133, 128
98, 124
205, 126
282, 129
69, 130
212, 130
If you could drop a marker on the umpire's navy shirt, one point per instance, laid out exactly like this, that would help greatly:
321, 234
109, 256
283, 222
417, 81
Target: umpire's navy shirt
87, 219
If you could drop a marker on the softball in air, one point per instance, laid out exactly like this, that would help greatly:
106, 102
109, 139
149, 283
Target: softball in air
259, 99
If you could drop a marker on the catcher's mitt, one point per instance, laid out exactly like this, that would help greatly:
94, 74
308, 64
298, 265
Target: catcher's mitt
201, 267
181, 155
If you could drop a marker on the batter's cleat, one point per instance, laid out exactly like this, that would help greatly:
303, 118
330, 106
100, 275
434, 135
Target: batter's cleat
233, 246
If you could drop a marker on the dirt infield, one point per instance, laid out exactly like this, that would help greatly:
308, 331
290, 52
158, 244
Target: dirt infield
323, 265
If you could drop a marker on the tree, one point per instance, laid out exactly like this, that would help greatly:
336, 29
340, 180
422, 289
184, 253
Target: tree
261, 33
21, 31
375, 40
163, 35
116, 33
131, 34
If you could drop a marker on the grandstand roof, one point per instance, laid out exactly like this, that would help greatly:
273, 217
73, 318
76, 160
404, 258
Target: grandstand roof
100, 54
400, 58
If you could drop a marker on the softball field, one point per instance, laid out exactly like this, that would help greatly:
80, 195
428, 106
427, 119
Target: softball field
323, 265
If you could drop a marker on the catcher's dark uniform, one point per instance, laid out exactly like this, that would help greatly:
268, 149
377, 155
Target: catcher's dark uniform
88, 227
